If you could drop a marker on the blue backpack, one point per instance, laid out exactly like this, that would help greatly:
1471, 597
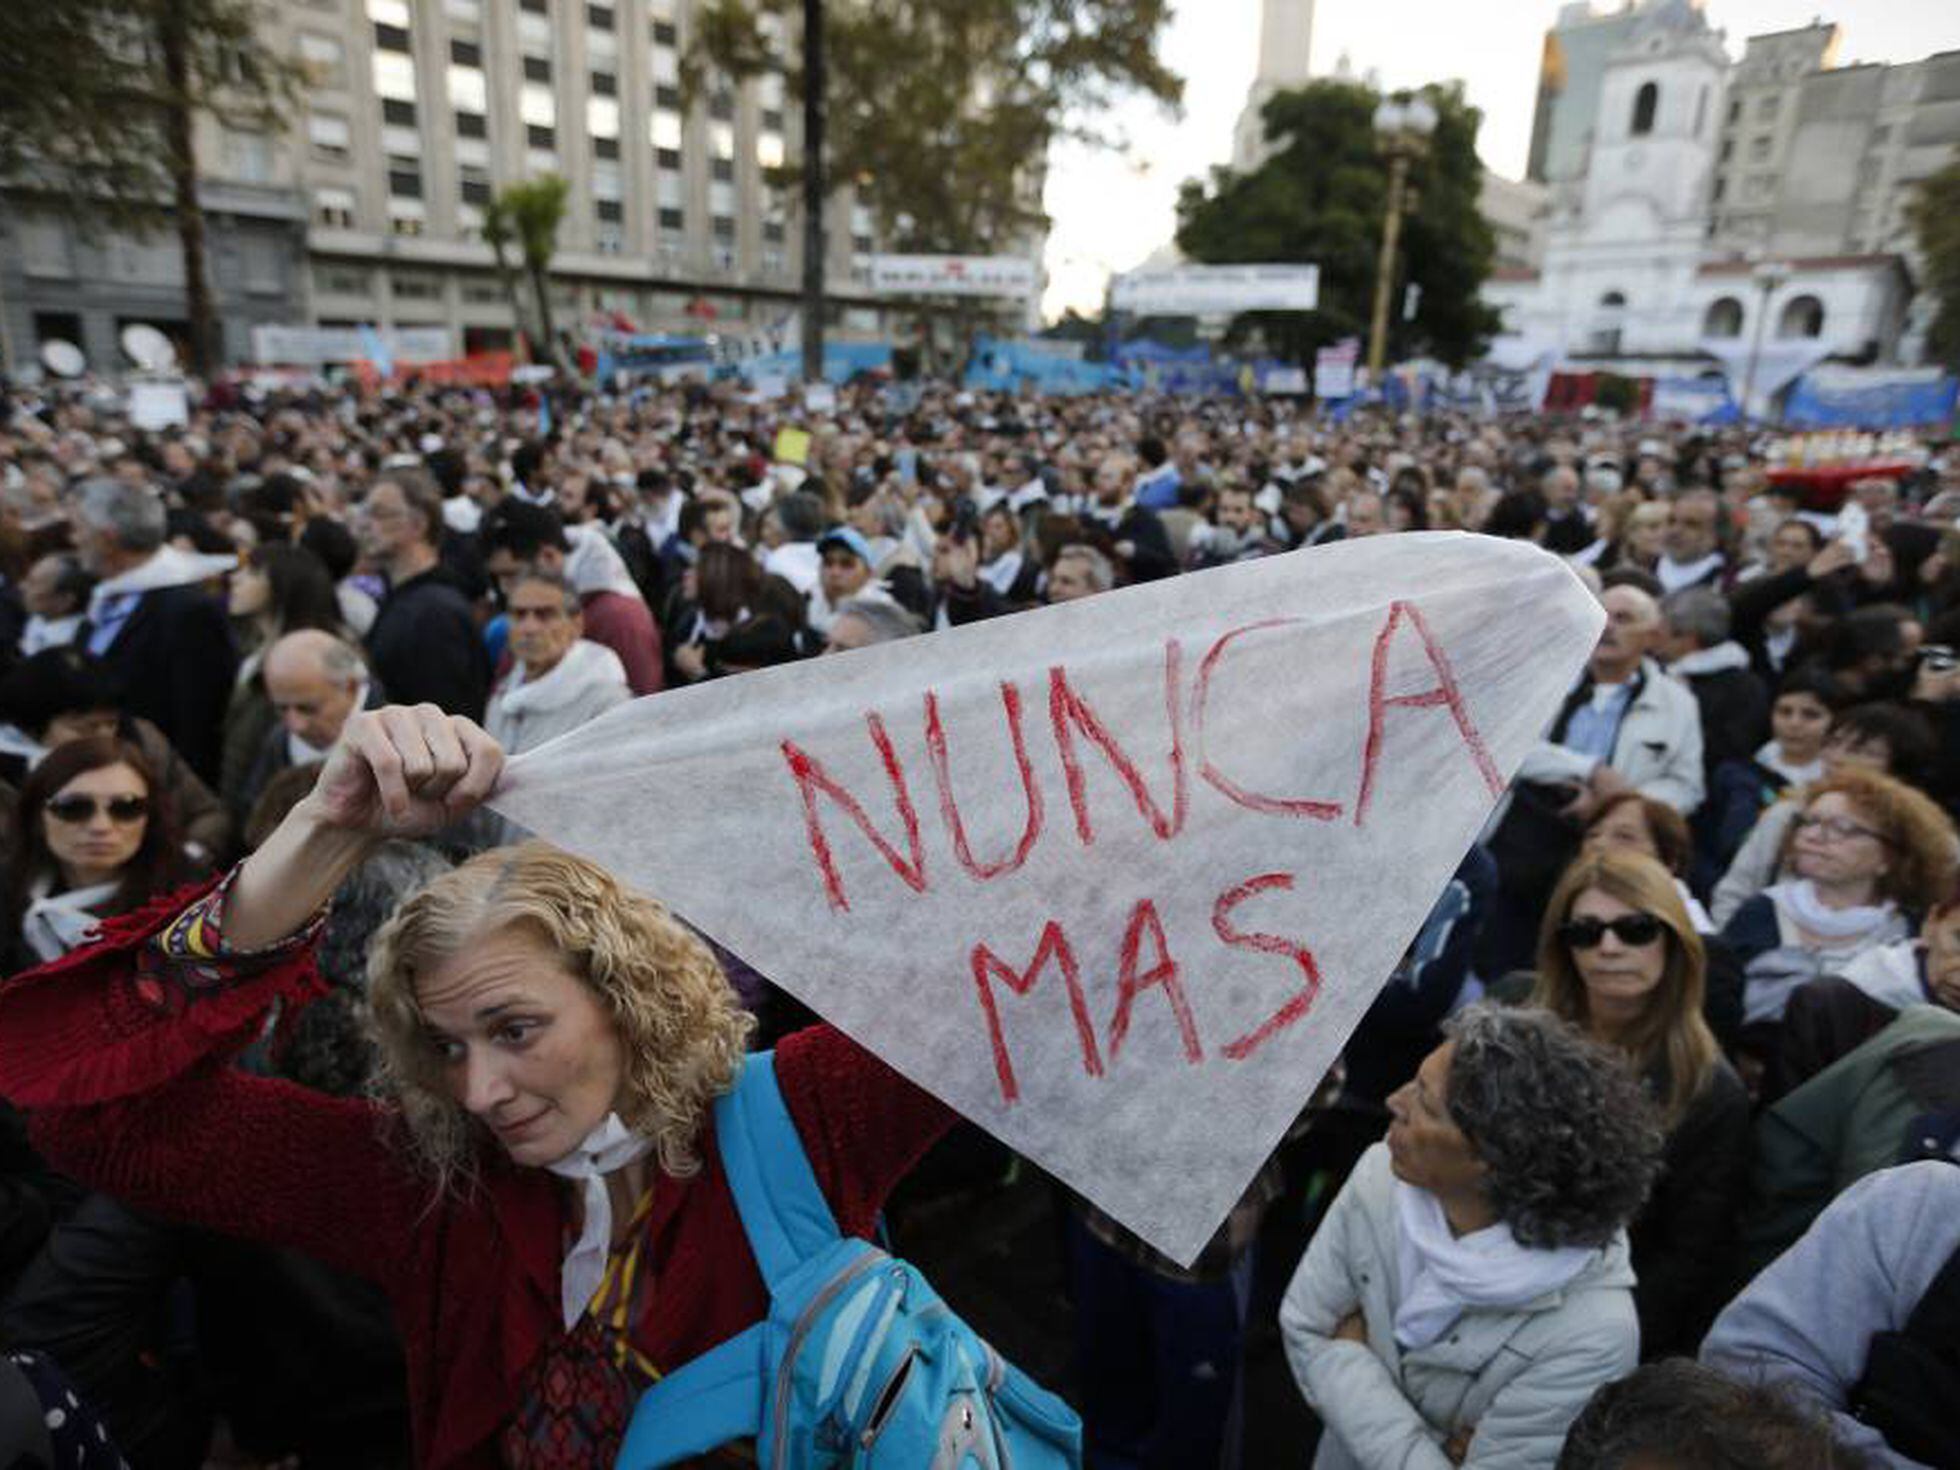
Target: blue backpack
859, 1362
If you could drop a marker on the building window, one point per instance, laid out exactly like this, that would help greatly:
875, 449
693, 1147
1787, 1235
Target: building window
667, 157
466, 53
724, 226
672, 219
665, 33
721, 106
772, 232
334, 208
604, 84
667, 97
332, 138
1646, 102
599, 17
324, 58
415, 286
608, 211
606, 148
1728, 149
1735, 112
397, 113
724, 170
473, 183
1721, 188
482, 293
1802, 316
1766, 106
1880, 136
861, 244
341, 280
1723, 319
404, 179
390, 38
405, 224
540, 137
537, 69
772, 120
1758, 150
472, 125
535, 7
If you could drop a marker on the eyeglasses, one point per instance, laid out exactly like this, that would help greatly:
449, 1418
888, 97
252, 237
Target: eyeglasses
123, 810
1630, 929
1840, 829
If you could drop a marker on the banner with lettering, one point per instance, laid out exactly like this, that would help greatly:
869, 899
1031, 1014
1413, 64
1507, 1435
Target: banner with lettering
1116, 878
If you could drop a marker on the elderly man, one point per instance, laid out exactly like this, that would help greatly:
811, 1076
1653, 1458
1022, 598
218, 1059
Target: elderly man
515, 535
1078, 571
150, 619
424, 641
558, 680
1626, 724
1568, 519
1692, 554
313, 682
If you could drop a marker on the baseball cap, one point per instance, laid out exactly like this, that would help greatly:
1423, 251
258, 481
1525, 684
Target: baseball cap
850, 540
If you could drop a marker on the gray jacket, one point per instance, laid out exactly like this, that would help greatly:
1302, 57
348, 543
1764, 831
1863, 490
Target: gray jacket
1658, 749
1518, 1376
1808, 1320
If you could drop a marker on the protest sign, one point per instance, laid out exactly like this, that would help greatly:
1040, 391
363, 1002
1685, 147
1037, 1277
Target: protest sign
1114, 878
163, 405
1217, 290
792, 446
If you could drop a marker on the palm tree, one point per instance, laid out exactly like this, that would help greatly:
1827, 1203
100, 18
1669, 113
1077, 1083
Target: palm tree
528, 214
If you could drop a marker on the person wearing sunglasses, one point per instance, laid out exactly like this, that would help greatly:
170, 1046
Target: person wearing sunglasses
1619, 958
1868, 856
96, 840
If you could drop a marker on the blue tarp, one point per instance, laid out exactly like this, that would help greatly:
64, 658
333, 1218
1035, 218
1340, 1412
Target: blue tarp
842, 361
1702, 400
1871, 398
1015, 366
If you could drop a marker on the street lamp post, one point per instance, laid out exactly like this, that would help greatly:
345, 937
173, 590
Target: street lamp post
1402, 130
1768, 275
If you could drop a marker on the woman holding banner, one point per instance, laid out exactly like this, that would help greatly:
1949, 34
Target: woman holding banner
1471, 1285
552, 1042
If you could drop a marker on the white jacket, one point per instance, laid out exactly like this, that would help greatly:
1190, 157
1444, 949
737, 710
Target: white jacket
1518, 1377
1658, 749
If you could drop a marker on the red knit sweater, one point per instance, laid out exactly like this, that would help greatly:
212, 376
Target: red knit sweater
121, 1058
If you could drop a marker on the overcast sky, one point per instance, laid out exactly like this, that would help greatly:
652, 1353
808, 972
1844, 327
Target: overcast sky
1111, 210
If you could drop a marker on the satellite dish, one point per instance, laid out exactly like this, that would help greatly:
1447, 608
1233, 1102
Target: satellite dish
63, 358
148, 348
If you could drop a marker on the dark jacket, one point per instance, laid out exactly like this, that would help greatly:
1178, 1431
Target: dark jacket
1684, 1240
1734, 715
175, 661
426, 649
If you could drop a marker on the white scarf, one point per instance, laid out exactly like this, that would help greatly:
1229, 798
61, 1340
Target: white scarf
55, 923
1799, 900
1771, 758
1444, 1273
609, 1147
1674, 575
170, 566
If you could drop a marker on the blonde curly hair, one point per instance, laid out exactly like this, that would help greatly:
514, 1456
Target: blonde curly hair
681, 1030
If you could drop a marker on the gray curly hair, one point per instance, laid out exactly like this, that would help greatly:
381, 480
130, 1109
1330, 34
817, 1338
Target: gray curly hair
1569, 1137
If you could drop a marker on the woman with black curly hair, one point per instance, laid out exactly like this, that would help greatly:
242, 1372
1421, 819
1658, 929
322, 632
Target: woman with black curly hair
1471, 1286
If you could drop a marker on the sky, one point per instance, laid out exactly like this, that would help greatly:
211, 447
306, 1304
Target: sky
1110, 210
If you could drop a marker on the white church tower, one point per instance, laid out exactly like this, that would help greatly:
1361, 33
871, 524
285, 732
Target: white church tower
1627, 235
1285, 39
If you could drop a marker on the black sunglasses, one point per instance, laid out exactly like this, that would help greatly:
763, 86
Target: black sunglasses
1629, 929
123, 810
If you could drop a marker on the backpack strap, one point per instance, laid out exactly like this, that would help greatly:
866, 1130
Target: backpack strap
784, 1212
718, 1396
698, 1407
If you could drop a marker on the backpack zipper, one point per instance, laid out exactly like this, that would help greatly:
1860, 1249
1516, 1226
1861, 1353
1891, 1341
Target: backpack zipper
805, 1320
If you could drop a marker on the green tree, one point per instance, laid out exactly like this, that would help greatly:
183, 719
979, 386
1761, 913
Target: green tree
528, 215
98, 107
1935, 216
939, 113
1321, 199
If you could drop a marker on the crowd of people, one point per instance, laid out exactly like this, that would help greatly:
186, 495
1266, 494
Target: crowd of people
1644, 1156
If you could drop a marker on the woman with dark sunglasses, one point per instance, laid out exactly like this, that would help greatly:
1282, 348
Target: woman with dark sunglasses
1619, 957
95, 839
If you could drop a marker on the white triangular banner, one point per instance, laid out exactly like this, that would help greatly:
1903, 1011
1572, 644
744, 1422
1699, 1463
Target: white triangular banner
1114, 879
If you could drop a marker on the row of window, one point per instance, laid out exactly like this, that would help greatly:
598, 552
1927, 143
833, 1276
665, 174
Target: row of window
332, 139
335, 209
